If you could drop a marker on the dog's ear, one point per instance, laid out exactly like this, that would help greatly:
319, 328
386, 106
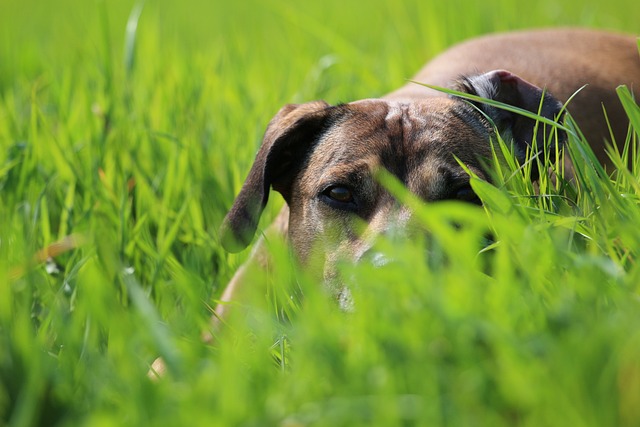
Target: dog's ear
505, 87
288, 135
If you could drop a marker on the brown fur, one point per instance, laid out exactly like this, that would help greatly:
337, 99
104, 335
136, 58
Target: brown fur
561, 60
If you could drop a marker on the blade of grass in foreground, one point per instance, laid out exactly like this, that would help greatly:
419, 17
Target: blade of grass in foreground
497, 104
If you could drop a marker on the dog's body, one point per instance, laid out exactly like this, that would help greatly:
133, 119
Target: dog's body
562, 61
323, 158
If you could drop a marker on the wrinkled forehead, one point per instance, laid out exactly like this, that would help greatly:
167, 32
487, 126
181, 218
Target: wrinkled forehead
401, 136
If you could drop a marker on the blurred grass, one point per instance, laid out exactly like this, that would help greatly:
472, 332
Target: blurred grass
140, 150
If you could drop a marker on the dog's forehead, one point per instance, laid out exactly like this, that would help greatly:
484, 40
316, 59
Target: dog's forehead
432, 121
395, 132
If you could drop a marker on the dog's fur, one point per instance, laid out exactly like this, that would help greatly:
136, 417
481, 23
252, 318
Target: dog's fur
323, 158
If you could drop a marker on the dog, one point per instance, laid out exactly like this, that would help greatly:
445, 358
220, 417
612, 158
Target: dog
323, 159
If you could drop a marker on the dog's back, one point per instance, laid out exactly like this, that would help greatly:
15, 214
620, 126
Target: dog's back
560, 60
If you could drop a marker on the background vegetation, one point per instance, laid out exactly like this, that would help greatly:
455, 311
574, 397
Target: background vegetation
125, 132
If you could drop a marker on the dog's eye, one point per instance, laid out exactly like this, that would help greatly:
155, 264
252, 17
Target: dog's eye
339, 196
466, 194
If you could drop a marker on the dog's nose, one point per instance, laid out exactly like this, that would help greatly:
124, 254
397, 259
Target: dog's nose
378, 259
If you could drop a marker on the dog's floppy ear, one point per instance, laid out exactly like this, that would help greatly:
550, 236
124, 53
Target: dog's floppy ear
506, 87
289, 133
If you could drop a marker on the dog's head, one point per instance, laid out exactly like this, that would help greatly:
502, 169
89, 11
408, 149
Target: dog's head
323, 160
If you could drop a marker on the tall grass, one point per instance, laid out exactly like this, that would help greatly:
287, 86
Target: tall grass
126, 145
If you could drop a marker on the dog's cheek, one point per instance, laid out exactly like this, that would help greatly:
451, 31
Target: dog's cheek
301, 238
320, 236
306, 237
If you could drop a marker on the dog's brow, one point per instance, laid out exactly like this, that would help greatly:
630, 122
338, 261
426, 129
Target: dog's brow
348, 172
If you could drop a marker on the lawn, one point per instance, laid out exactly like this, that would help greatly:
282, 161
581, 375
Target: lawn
127, 128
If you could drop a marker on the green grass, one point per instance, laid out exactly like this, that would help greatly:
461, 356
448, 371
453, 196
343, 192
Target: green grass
135, 140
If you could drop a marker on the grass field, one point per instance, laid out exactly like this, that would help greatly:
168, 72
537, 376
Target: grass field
126, 131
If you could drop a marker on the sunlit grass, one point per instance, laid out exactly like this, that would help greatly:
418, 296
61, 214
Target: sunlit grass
126, 145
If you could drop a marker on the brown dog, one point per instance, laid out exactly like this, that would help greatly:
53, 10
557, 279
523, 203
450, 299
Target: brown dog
323, 158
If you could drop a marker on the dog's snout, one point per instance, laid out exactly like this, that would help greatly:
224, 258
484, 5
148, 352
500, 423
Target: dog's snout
397, 224
392, 227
